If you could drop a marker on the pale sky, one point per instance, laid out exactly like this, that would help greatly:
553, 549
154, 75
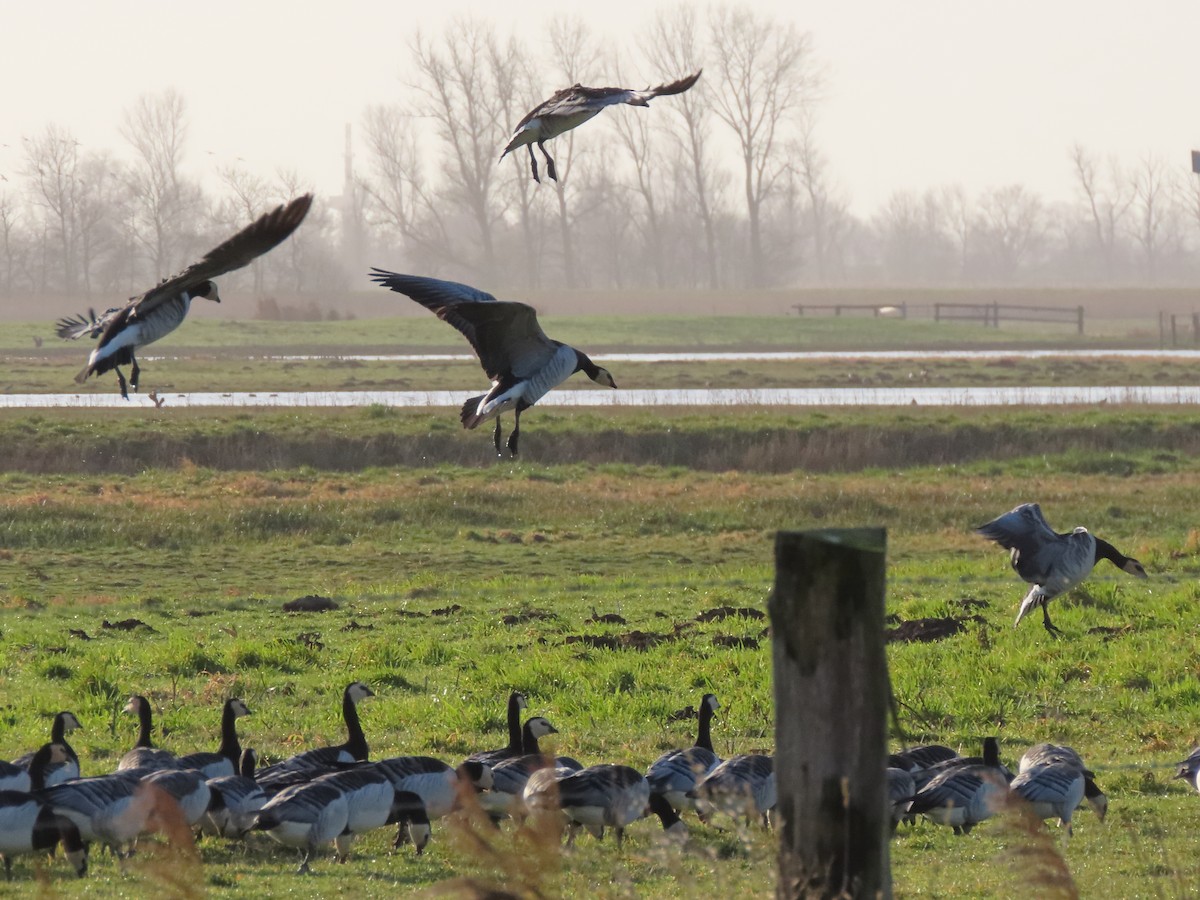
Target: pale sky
920, 94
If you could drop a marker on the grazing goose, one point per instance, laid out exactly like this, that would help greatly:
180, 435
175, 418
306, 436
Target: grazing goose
523, 364
160, 310
676, 772
227, 757
372, 802
901, 788
516, 703
113, 809
1053, 563
305, 816
28, 824
354, 749
436, 783
144, 754
921, 757
961, 796
509, 776
571, 107
1055, 789
236, 801
990, 758
742, 785
187, 787
64, 722
592, 798
1190, 769
1054, 754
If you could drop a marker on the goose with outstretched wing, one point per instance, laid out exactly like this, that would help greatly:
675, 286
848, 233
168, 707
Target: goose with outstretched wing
522, 362
571, 107
159, 311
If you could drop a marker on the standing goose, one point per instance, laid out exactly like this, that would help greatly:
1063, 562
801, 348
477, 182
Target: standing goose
187, 787
571, 107
64, 722
510, 775
523, 364
1056, 754
516, 703
373, 802
160, 310
436, 783
305, 816
742, 785
28, 824
1055, 789
921, 757
113, 809
1053, 563
603, 795
144, 754
236, 801
676, 772
990, 758
354, 749
227, 757
961, 797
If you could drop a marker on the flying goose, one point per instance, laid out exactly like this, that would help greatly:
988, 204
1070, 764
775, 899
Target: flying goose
1053, 563
571, 107
354, 749
676, 772
742, 785
226, 759
523, 364
516, 703
28, 824
144, 754
64, 722
159, 311
305, 816
236, 801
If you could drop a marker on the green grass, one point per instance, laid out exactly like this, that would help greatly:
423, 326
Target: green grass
206, 556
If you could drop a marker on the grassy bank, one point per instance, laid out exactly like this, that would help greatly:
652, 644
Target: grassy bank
456, 584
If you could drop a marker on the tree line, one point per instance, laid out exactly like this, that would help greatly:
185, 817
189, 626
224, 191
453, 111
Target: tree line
723, 187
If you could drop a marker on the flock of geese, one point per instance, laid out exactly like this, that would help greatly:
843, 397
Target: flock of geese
521, 361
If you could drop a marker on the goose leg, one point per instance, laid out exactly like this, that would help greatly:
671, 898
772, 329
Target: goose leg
134, 375
496, 436
121, 383
1047, 624
304, 870
550, 170
512, 438
533, 163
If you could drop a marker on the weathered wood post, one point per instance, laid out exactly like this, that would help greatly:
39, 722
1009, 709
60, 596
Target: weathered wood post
831, 702
1080, 324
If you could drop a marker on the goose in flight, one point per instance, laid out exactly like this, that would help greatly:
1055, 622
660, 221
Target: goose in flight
1053, 563
144, 319
571, 107
523, 364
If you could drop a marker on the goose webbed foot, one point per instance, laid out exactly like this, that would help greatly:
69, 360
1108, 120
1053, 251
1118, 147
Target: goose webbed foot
134, 375
122, 384
550, 169
512, 439
533, 164
1053, 630
496, 437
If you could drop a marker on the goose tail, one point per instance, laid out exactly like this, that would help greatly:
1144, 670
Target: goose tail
470, 412
83, 374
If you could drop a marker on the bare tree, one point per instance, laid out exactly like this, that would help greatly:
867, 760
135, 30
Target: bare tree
51, 167
1013, 222
9, 242
765, 77
1151, 208
958, 218
156, 128
249, 196
1108, 196
826, 212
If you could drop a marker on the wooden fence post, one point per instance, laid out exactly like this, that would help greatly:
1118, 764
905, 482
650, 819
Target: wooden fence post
831, 702
1081, 320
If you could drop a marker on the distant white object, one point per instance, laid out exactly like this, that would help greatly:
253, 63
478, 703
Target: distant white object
889, 311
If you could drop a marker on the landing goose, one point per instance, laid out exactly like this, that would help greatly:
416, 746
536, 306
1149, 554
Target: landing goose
227, 757
742, 785
64, 723
571, 107
28, 824
144, 754
305, 816
1053, 563
523, 364
516, 703
676, 772
236, 801
159, 311
354, 749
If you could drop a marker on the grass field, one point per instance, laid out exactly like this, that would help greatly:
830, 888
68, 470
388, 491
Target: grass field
205, 556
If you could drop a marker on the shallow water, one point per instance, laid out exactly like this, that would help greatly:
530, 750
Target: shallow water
863, 396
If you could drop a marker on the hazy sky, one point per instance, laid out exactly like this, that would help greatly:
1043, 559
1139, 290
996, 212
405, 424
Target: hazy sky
920, 94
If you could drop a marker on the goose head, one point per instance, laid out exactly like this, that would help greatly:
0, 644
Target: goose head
603, 377
207, 290
238, 707
710, 702
539, 727
69, 722
357, 691
1135, 568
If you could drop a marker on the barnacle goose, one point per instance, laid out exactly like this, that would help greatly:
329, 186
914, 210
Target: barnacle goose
305, 816
144, 754
159, 311
523, 364
113, 809
64, 722
592, 798
516, 703
571, 107
676, 772
236, 801
509, 776
227, 757
742, 785
1055, 789
435, 782
1053, 563
373, 802
28, 824
354, 749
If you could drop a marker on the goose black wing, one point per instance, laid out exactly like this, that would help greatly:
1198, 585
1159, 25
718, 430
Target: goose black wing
505, 335
1024, 529
261, 235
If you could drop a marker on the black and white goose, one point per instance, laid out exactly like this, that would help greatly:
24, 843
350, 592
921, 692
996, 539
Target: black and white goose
1055, 789
28, 824
1059, 754
516, 703
64, 723
600, 796
226, 759
354, 749
676, 772
510, 775
523, 364
144, 754
373, 802
159, 311
437, 784
187, 787
305, 816
571, 107
1053, 563
741, 786
236, 801
990, 758
961, 797
921, 757
1189, 769
113, 809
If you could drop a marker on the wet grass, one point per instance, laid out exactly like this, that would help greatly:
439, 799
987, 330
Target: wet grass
528, 551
